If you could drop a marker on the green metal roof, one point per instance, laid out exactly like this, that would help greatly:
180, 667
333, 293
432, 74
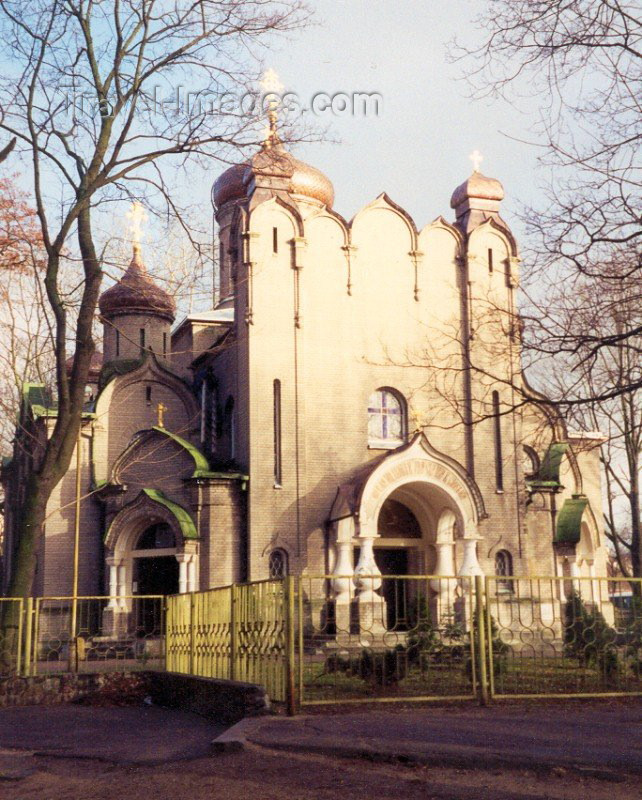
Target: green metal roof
37, 398
201, 464
569, 519
183, 517
549, 471
202, 467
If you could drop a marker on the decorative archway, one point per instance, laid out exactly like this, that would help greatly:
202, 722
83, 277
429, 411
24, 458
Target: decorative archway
431, 484
150, 508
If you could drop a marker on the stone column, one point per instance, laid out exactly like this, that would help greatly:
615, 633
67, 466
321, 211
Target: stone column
122, 586
470, 565
113, 582
182, 572
342, 584
444, 587
191, 574
367, 578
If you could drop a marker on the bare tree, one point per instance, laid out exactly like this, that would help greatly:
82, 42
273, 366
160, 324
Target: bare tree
92, 98
604, 307
581, 60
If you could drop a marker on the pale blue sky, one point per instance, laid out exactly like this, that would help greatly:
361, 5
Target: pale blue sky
417, 149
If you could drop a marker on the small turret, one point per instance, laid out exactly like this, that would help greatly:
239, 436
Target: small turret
137, 315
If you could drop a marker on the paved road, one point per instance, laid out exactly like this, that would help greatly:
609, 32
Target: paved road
137, 735
604, 737
107, 753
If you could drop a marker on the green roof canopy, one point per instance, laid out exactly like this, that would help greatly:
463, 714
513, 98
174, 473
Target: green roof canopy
201, 464
550, 468
569, 520
184, 519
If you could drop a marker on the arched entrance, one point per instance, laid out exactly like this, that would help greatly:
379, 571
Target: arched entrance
151, 549
155, 568
414, 512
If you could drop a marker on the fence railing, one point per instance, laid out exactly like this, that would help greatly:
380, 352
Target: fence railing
323, 639
37, 635
240, 632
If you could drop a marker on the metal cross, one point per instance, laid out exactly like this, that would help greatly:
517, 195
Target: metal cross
137, 217
160, 408
476, 157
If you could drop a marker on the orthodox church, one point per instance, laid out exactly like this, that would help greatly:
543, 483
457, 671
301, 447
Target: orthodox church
351, 406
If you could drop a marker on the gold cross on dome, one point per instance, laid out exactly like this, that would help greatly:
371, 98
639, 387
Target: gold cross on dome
161, 409
272, 88
270, 82
476, 157
137, 217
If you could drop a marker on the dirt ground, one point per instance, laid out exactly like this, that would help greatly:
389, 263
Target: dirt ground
262, 774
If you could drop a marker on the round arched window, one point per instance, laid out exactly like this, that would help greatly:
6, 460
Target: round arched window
156, 537
386, 419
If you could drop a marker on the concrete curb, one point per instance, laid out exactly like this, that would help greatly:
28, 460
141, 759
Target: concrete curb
455, 756
235, 738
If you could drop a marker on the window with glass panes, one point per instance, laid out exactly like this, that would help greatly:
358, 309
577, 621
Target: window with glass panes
385, 417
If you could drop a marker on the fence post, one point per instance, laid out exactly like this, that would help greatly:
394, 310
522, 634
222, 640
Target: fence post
233, 632
480, 629
192, 634
290, 658
28, 638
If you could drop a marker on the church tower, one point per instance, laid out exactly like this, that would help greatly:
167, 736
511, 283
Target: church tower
137, 316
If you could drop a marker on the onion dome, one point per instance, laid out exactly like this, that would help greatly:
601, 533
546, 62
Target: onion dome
95, 366
273, 160
136, 293
477, 187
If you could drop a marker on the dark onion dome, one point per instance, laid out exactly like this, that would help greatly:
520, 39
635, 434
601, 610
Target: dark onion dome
136, 293
304, 179
94, 366
478, 186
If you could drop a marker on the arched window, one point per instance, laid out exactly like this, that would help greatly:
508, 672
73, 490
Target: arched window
278, 564
156, 537
386, 419
503, 570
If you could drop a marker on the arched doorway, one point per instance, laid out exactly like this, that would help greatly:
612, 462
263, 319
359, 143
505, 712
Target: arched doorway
155, 568
397, 553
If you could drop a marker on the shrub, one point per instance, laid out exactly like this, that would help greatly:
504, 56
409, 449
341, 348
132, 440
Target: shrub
588, 637
384, 667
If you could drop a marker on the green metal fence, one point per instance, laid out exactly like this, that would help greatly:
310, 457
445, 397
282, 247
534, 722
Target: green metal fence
563, 636
326, 639
396, 637
240, 632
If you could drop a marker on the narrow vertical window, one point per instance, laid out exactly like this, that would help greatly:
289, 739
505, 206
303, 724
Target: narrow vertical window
504, 571
278, 475
278, 564
203, 410
148, 395
142, 339
275, 240
490, 259
229, 426
117, 342
164, 344
499, 471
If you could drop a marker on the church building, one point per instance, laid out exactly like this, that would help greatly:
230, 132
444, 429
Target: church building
352, 405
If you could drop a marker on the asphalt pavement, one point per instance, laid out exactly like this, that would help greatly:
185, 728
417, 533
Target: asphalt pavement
602, 739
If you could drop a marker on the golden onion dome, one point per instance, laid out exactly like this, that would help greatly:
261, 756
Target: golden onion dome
136, 293
302, 178
477, 186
